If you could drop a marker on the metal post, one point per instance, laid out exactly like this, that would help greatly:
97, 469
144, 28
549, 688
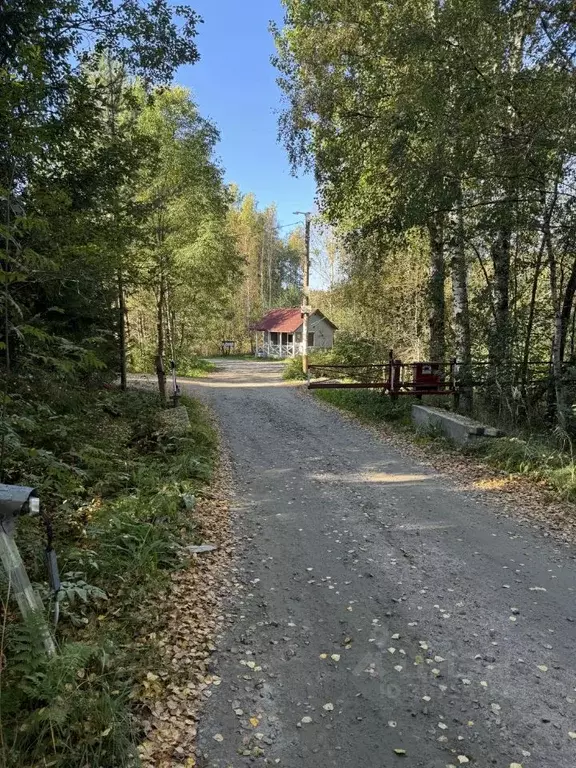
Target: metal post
28, 601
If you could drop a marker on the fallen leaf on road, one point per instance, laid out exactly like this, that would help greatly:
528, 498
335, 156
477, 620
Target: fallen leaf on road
543, 668
572, 734
306, 719
335, 657
218, 737
254, 721
323, 655
328, 707
463, 759
400, 752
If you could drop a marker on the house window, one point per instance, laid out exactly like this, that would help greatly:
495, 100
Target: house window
298, 338
310, 339
290, 338
273, 337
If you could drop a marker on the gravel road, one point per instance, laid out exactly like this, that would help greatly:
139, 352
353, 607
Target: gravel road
384, 610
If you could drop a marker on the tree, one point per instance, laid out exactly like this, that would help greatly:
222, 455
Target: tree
448, 119
189, 257
63, 165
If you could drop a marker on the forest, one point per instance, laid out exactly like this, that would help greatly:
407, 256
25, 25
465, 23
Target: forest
441, 139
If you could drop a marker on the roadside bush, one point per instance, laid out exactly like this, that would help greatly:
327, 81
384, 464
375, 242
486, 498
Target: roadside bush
353, 349
293, 366
192, 367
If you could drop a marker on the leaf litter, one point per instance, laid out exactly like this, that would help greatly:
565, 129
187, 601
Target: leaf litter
182, 627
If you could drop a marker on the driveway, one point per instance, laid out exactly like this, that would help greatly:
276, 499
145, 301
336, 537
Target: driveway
389, 618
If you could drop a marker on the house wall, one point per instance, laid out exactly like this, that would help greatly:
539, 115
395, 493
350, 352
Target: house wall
323, 332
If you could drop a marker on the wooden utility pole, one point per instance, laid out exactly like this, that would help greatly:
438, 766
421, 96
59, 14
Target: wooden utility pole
306, 290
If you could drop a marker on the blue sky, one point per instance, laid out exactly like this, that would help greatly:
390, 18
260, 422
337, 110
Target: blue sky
235, 85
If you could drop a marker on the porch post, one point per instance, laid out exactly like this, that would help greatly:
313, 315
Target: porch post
268, 344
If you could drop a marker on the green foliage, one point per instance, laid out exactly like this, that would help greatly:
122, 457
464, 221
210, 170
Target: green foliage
451, 195
293, 369
69, 710
112, 481
368, 405
188, 259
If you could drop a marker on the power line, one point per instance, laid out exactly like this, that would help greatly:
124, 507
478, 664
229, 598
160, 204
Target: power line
295, 224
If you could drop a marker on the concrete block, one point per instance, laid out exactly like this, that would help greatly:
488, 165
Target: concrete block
175, 421
458, 428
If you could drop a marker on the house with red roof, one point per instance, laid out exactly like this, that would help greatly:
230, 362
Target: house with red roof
281, 331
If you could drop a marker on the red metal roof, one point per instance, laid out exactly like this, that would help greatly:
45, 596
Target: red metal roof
285, 320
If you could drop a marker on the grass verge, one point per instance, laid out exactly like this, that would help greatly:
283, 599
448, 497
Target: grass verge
194, 368
368, 405
113, 484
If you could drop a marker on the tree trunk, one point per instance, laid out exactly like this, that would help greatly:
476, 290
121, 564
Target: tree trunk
499, 352
531, 313
160, 372
559, 392
122, 329
567, 304
460, 310
436, 297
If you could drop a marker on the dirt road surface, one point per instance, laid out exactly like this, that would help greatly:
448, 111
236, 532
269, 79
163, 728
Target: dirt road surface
385, 609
